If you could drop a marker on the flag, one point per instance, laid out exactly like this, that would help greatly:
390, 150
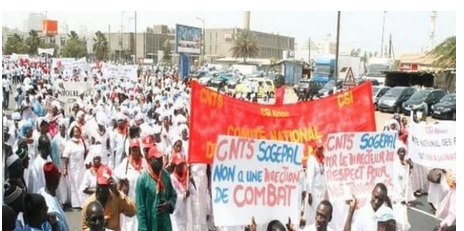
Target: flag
279, 96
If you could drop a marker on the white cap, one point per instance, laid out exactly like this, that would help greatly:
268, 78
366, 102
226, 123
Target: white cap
11, 159
16, 116
156, 129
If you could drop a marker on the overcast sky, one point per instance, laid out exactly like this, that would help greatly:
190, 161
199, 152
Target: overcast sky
410, 30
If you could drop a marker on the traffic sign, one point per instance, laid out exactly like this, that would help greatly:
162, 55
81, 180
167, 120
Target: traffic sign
349, 79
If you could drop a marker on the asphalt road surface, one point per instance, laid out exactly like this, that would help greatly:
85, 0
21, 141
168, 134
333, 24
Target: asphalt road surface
419, 213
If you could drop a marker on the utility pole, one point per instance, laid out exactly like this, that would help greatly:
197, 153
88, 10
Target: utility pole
309, 50
135, 38
383, 31
390, 47
337, 48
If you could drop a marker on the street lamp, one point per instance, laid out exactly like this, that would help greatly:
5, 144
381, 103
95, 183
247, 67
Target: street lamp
129, 30
202, 57
383, 32
122, 35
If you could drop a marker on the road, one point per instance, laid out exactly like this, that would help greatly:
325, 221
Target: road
419, 213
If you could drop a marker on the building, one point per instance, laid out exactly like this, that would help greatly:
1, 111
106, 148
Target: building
34, 21
149, 43
218, 43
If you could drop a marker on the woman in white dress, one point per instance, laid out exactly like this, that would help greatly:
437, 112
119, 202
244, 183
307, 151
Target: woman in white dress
89, 183
181, 218
74, 167
101, 137
128, 171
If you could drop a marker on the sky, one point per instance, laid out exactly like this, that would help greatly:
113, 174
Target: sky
409, 29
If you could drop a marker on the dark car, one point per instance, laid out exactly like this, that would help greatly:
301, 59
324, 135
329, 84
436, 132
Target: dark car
377, 93
232, 82
308, 89
394, 98
373, 81
445, 108
328, 88
220, 81
429, 96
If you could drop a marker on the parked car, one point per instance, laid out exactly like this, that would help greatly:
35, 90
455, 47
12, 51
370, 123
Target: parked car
377, 93
220, 81
205, 80
232, 82
308, 89
428, 96
394, 98
445, 108
328, 88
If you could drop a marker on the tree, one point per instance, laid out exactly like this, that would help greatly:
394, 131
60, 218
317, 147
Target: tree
166, 52
33, 42
15, 44
445, 53
74, 48
245, 46
100, 46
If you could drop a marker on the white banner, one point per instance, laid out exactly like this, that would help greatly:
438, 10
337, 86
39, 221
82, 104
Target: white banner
128, 72
46, 51
62, 62
71, 90
356, 161
255, 178
433, 145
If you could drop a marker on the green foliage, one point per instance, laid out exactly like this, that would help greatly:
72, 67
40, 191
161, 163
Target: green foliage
101, 46
166, 52
15, 44
445, 53
33, 42
245, 46
74, 48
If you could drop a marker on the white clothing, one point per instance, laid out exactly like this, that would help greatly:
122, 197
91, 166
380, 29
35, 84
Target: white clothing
313, 228
36, 175
101, 140
201, 199
130, 223
89, 181
316, 186
118, 144
181, 218
76, 169
438, 191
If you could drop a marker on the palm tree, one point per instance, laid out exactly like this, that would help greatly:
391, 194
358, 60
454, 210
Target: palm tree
100, 46
73, 35
15, 44
445, 53
33, 42
245, 46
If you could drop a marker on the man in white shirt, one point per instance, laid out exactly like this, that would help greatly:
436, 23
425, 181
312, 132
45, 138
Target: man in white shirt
6, 91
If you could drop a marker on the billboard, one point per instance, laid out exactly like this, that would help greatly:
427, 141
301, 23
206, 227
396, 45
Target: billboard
188, 39
50, 27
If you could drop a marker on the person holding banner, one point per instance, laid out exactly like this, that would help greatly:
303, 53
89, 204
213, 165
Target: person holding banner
323, 217
376, 215
181, 218
447, 208
316, 182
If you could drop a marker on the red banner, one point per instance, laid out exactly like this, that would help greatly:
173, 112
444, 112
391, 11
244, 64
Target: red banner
213, 114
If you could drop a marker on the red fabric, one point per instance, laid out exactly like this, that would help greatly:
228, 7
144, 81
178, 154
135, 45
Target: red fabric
147, 142
103, 175
137, 164
157, 178
52, 173
302, 122
279, 96
154, 152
